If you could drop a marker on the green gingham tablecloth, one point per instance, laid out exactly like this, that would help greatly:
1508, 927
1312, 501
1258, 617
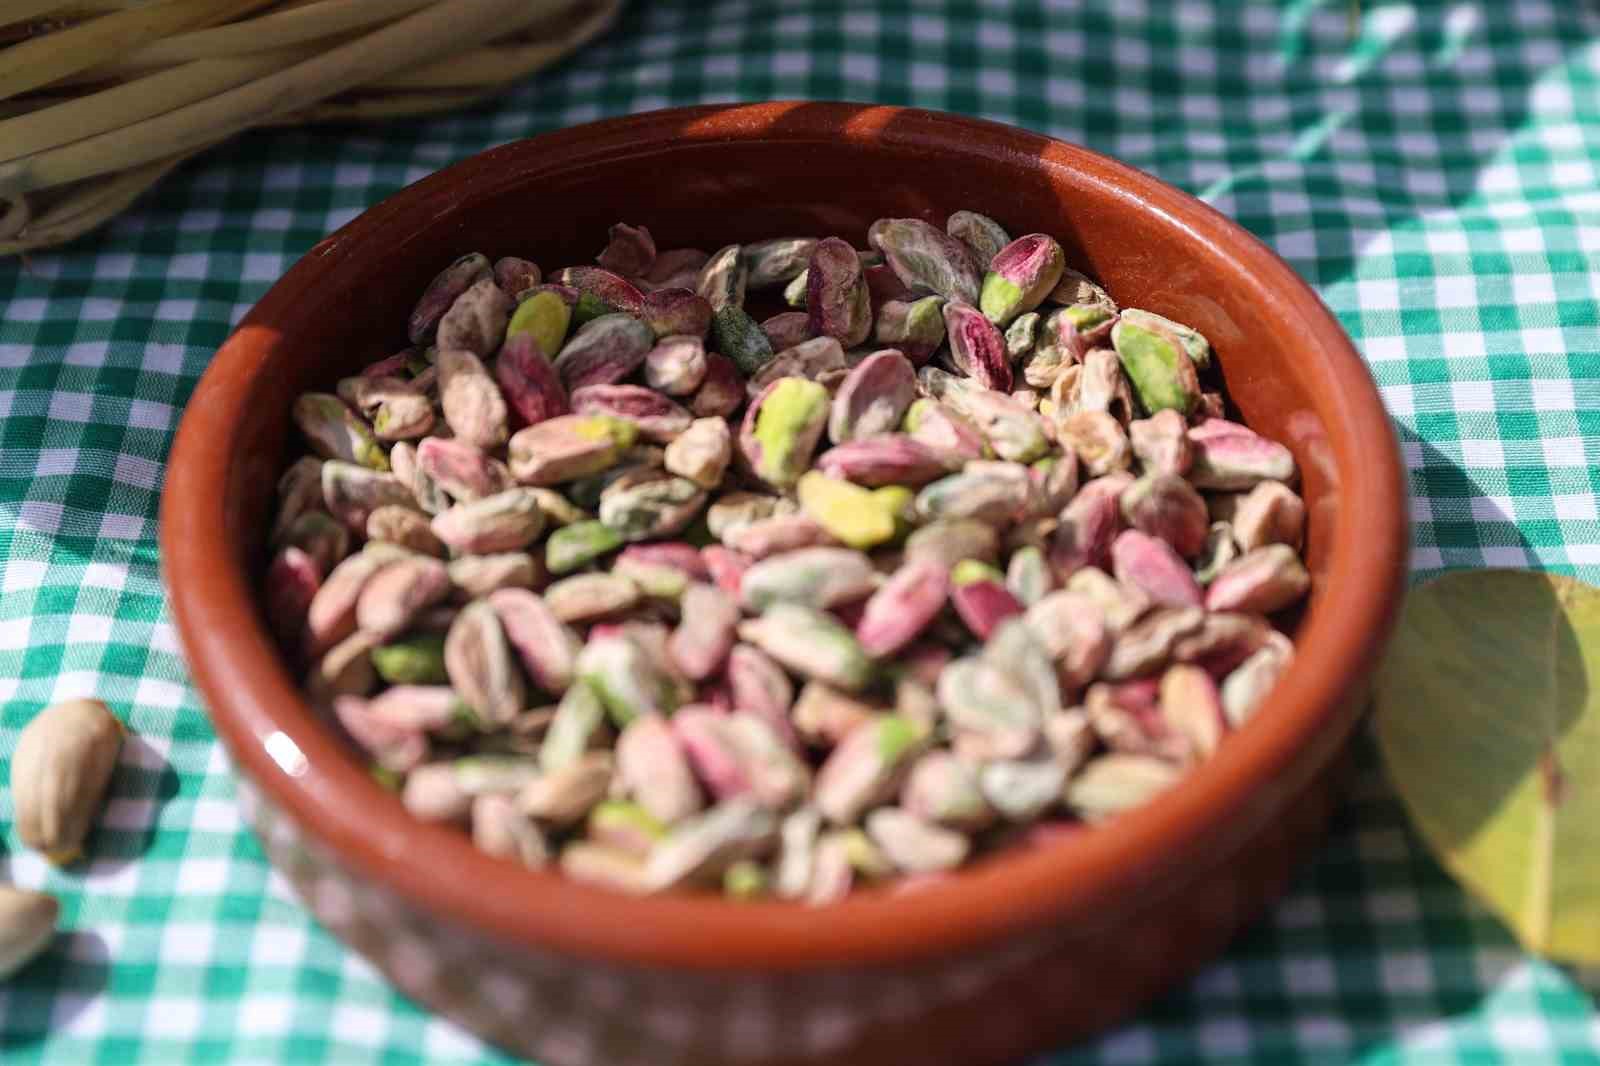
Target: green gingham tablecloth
1436, 176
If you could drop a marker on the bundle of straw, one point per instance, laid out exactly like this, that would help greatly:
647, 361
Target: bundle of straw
100, 98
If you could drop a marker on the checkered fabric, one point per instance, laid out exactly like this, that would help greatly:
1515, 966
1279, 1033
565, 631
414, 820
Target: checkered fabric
1433, 169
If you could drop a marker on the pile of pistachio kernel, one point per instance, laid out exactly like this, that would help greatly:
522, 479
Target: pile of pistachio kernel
953, 554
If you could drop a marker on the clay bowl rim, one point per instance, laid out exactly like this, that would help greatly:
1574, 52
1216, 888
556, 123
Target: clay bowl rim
233, 660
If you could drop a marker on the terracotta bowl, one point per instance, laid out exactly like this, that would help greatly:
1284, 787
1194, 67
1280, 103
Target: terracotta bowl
1018, 954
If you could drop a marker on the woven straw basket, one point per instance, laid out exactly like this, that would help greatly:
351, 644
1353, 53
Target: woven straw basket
100, 98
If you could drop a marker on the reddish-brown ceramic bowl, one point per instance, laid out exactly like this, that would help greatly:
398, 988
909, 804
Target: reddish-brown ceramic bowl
1018, 954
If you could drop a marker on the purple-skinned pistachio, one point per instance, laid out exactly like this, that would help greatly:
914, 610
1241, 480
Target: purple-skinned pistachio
703, 639
516, 276
883, 284
1084, 533
1127, 718
787, 329
989, 710
1161, 443
976, 347
568, 447
723, 279
676, 268
604, 351
778, 533
866, 768
674, 312
629, 250
507, 521
1233, 457
721, 391
926, 260
811, 643
610, 289
473, 404
891, 459
291, 585
1248, 683
1012, 430
394, 596
873, 397
1101, 386
996, 492
815, 577
817, 359
903, 606
704, 846
776, 261
739, 755
1020, 276
1152, 566
837, 304
1167, 507
759, 686
299, 492
781, 429
1270, 513
1262, 581
1146, 645
916, 327
442, 292
1055, 483
546, 646
476, 321
528, 382
482, 667
676, 365
392, 747
949, 542
949, 434
353, 492
979, 594
1159, 370
658, 418
336, 432
654, 770
1071, 627
983, 236
461, 470
823, 716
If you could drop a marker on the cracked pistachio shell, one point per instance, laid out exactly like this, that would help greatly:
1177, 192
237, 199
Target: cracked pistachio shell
59, 774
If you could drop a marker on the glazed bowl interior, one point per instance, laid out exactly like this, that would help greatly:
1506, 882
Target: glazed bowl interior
707, 177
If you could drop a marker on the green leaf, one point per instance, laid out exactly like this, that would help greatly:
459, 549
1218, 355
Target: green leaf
1489, 722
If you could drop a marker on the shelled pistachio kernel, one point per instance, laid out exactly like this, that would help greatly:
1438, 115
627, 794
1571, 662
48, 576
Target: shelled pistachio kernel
671, 597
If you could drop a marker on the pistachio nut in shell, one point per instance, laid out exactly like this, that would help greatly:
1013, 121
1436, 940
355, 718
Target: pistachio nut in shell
59, 773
